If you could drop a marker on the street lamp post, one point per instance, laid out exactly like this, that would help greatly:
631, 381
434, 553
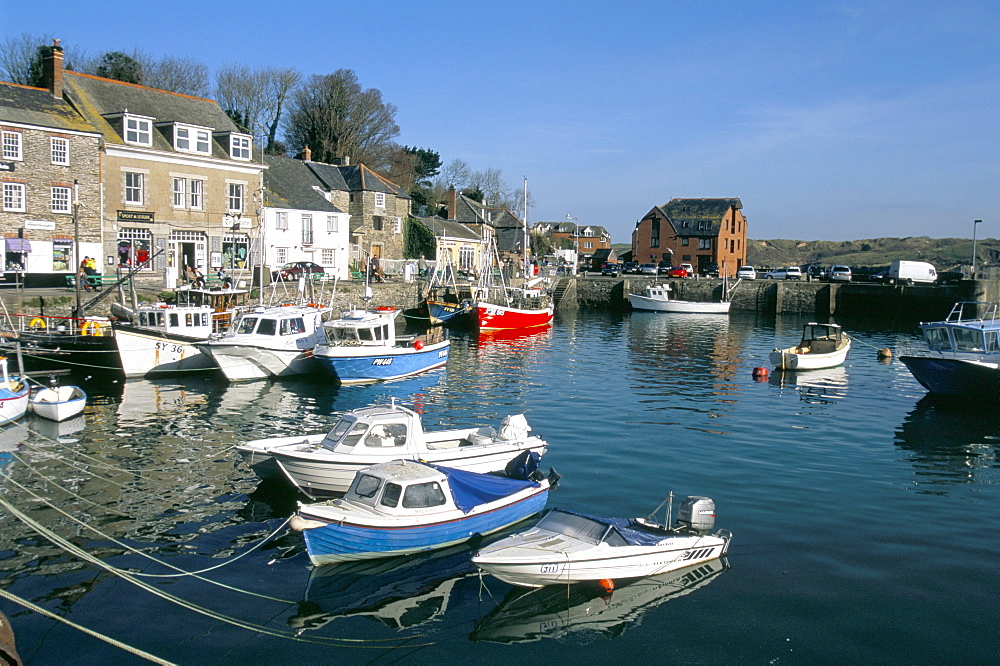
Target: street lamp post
975, 223
576, 242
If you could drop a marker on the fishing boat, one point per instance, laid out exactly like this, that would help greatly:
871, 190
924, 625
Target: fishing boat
405, 506
14, 395
657, 298
567, 547
822, 346
268, 343
364, 346
324, 464
962, 358
159, 339
447, 302
58, 403
56, 343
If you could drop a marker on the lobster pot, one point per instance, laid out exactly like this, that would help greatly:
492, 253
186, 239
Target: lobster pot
698, 513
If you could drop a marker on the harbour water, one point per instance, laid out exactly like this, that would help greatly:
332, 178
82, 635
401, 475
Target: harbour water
866, 516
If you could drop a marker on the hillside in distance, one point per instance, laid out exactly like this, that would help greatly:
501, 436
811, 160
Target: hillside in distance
945, 253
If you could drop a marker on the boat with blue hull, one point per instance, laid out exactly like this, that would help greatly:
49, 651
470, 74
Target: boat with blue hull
963, 353
363, 346
406, 506
14, 395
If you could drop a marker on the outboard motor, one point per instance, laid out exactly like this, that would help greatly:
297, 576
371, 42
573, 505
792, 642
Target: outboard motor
523, 466
697, 513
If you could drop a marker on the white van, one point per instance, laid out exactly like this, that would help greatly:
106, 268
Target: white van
910, 272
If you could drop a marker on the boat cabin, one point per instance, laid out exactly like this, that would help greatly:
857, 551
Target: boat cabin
971, 328
821, 338
194, 322
400, 488
362, 327
224, 302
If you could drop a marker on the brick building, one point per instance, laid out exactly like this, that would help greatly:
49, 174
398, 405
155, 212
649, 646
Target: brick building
695, 231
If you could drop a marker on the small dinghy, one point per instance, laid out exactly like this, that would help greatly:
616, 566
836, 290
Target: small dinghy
822, 346
566, 547
58, 403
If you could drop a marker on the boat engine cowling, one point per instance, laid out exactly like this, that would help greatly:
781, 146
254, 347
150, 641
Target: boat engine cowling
697, 513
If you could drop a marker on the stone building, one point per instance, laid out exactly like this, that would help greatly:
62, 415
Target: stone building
695, 231
50, 172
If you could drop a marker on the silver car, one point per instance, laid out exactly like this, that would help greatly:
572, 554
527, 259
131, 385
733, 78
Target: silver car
839, 274
746, 273
787, 273
647, 269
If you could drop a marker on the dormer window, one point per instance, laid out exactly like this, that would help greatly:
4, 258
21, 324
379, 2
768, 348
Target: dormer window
192, 139
240, 147
138, 130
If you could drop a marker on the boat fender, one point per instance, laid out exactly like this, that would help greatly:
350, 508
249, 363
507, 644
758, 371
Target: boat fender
418, 344
885, 352
300, 524
760, 372
37, 322
607, 585
523, 465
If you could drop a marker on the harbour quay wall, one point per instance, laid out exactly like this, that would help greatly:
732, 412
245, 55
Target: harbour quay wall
823, 299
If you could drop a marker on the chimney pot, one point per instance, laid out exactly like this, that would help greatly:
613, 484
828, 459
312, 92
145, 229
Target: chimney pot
307, 154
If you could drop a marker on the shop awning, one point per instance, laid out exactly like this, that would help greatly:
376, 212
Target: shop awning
18, 245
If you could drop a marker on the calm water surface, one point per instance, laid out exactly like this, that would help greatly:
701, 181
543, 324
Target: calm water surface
865, 515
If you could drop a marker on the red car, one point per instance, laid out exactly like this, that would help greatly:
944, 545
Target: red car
677, 272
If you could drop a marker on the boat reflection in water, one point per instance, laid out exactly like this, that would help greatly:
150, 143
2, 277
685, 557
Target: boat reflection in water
399, 592
548, 612
515, 337
814, 386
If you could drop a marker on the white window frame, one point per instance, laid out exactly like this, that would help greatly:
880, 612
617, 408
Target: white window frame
236, 197
241, 147
137, 130
328, 257
380, 199
280, 220
197, 194
180, 192
62, 199
399, 225
138, 186
13, 146
281, 255
192, 139
307, 230
14, 197
331, 224
60, 150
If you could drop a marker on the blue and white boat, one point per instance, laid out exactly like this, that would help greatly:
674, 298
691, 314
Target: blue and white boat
363, 346
404, 506
963, 353
14, 395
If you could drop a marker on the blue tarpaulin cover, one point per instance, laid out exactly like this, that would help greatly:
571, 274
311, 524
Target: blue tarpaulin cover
470, 489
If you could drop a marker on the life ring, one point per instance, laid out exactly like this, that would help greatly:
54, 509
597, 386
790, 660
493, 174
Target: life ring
385, 308
37, 322
92, 328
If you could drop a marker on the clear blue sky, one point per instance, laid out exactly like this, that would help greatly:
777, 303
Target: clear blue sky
831, 120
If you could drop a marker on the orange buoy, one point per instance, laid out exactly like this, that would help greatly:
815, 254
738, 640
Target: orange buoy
760, 372
418, 345
607, 584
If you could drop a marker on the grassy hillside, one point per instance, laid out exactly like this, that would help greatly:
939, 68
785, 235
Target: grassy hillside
945, 253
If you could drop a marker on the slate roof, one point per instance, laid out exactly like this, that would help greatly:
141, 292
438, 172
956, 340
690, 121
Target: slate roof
292, 184
361, 178
37, 106
693, 211
95, 98
450, 228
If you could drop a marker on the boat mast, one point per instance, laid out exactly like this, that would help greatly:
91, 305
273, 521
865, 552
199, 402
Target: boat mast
525, 220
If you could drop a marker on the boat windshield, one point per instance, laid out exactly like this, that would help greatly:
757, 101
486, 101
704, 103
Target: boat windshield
293, 326
967, 339
336, 435
937, 338
579, 527
247, 325
366, 485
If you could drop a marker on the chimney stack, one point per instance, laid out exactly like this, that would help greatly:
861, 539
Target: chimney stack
307, 154
452, 203
52, 69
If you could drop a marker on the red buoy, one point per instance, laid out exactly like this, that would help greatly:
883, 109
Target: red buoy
607, 584
418, 345
760, 372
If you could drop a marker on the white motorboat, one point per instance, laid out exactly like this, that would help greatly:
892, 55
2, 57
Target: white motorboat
658, 299
566, 547
822, 346
405, 506
268, 342
58, 403
324, 464
160, 339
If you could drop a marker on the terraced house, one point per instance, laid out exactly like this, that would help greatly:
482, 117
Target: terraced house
50, 216
695, 231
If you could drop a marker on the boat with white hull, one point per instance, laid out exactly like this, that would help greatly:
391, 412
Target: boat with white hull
58, 403
325, 464
657, 298
822, 346
268, 343
14, 395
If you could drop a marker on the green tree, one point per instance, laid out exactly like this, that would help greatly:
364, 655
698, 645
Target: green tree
418, 240
120, 67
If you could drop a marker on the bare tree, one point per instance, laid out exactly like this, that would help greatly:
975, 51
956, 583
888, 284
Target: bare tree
19, 58
335, 117
255, 99
180, 75
455, 173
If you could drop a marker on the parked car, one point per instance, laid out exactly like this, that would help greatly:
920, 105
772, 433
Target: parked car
664, 267
882, 277
295, 269
786, 273
949, 277
710, 270
689, 268
678, 272
630, 267
611, 269
746, 273
839, 274
647, 269
817, 272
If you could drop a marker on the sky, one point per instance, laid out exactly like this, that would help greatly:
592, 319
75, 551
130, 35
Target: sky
829, 120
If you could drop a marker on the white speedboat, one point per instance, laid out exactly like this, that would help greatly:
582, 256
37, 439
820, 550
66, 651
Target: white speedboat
363, 346
405, 507
658, 299
268, 342
58, 403
822, 346
327, 463
160, 339
566, 547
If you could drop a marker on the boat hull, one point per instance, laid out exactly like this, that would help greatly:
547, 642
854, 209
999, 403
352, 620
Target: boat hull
452, 314
150, 353
345, 541
13, 402
494, 317
954, 377
788, 359
639, 302
241, 363
358, 365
